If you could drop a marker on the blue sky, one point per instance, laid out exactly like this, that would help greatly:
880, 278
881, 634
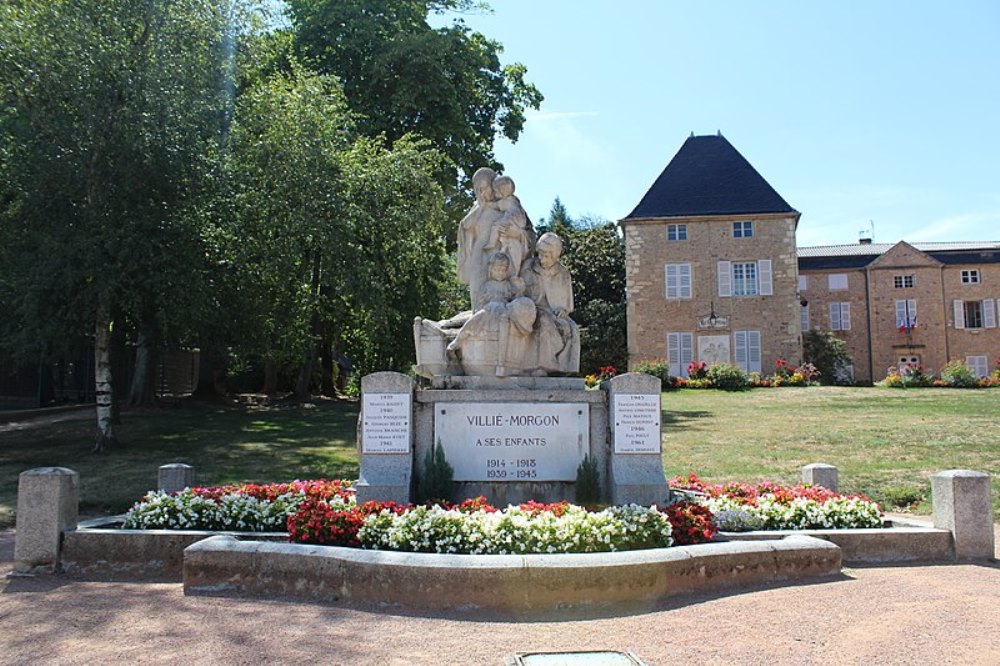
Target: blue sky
885, 111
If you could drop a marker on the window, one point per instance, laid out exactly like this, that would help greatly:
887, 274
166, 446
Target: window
751, 278
906, 313
976, 314
902, 281
680, 352
840, 316
837, 281
677, 232
979, 364
678, 280
970, 276
745, 279
747, 346
803, 282
973, 314
743, 229
805, 317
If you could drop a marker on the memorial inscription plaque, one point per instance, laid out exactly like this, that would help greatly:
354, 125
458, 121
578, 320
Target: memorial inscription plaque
637, 423
501, 441
386, 424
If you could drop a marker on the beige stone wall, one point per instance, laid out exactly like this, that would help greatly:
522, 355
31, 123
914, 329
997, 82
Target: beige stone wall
651, 315
972, 342
819, 296
872, 293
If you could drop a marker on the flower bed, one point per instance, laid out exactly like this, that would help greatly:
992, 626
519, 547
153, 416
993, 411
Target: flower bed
740, 507
325, 512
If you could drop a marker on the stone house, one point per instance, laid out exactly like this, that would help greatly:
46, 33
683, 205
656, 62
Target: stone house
713, 274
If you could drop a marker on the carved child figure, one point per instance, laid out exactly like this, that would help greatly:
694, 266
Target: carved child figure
496, 294
509, 233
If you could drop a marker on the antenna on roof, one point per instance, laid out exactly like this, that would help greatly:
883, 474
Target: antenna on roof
865, 236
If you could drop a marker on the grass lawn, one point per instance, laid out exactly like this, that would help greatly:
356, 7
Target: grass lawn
886, 442
224, 444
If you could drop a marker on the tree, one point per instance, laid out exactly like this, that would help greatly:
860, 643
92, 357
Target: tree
111, 111
402, 76
828, 353
595, 257
335, 241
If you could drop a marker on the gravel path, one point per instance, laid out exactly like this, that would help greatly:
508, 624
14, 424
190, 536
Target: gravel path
892, 615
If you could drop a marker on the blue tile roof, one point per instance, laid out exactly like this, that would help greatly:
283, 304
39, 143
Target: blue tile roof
708, 176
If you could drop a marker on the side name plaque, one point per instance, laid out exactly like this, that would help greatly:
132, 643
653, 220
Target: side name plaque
637, 423
504, 441
385, 427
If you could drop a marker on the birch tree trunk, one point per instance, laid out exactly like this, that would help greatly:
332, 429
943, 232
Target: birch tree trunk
106, 438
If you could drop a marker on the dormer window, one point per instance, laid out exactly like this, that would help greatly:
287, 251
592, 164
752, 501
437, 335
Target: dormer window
743, 229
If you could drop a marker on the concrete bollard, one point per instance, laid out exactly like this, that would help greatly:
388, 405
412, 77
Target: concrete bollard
962, 504
175, 477
820, 474
48, 504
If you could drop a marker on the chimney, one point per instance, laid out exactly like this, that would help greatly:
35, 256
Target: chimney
865, 241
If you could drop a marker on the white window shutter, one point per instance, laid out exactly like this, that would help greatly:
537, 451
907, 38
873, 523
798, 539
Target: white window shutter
845, 316
834, 316
753, 351
900, 313
911, 305
805, 317
959, 314
725, 279
684, 281
740, 346
687, 349
670, 280
764, 277
989, 313
803, 283
674, 354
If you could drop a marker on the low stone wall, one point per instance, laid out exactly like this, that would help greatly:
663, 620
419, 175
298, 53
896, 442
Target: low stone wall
141, 554
515, 584
902, 542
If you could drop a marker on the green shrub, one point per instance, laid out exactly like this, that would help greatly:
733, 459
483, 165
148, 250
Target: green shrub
959, 375
436, 481
728, 377
657, 368
588, 482
902, 496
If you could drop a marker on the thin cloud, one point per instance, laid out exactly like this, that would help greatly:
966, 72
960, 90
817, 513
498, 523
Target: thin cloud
966, 225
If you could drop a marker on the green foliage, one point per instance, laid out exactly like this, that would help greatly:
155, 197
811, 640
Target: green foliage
594, 254
959, 375
401, 76
902, 496
728, 377
588, 482
657, 368
828, 353
436, 481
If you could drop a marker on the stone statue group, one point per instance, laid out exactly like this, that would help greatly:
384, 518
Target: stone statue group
520, 293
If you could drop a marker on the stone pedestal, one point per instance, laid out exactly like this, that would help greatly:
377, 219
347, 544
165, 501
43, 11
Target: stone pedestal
635, 454
175, 477
820, 474
385, 438
48, 501
962, 504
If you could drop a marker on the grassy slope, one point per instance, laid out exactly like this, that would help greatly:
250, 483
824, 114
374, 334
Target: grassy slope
885, 442
224, 444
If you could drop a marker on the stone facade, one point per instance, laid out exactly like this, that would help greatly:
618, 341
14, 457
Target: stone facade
653, 314
903, 306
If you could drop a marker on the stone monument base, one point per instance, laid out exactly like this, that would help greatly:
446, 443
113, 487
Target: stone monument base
512, 439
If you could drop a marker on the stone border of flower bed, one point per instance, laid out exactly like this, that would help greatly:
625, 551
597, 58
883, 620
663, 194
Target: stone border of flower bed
632, 581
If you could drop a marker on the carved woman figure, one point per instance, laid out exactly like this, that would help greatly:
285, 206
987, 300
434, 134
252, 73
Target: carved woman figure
474, 234
549, 285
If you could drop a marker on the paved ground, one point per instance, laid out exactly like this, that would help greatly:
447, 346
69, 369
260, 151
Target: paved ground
895, 615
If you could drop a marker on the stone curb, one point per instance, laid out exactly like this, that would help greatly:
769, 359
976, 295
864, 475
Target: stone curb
517, 584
